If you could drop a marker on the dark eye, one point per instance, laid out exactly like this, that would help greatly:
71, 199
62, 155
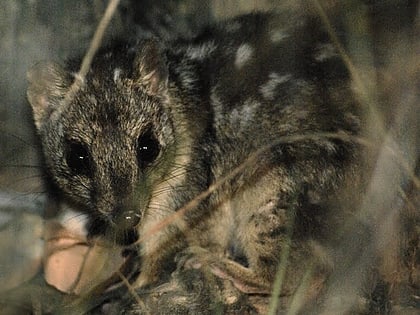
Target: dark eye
78, 158
148, 149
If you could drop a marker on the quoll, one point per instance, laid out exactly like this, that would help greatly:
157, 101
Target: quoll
257, 111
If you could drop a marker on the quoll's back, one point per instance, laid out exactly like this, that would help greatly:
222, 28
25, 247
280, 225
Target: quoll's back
279, 104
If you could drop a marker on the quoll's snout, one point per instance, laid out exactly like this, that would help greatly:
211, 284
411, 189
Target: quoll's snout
125, 219
125, 223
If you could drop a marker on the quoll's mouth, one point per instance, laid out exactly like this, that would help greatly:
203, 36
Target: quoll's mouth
126, 237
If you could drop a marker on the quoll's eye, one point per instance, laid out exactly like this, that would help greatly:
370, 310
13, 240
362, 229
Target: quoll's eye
148, 149
78, 158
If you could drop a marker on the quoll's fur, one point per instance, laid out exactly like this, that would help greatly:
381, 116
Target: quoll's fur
155, 124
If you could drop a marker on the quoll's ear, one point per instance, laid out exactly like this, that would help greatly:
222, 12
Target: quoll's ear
48, 85
152, 70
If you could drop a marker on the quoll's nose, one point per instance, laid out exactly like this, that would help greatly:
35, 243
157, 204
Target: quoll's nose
130, 219
125, 219
125, 226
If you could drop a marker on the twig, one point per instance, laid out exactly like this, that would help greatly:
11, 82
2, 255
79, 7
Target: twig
93, 48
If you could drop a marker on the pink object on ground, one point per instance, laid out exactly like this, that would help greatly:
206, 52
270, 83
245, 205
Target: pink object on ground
72, 264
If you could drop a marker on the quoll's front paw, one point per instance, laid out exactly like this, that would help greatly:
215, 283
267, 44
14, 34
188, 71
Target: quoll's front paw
244, 279
195, 257
188, 291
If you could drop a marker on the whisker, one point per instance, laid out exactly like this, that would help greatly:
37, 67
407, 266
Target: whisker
25, 178
20, 138
160, 209
77, 217
37, 194
20, 166
28, 201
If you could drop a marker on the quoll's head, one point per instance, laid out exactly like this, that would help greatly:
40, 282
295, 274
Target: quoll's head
108, 144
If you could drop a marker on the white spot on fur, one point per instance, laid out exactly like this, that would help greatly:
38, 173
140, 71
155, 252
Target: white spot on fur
268, 89
243, 54
92, 99
117, 74
325, 51
200, 52
277, 36
187, 76
243, 115
188, 81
